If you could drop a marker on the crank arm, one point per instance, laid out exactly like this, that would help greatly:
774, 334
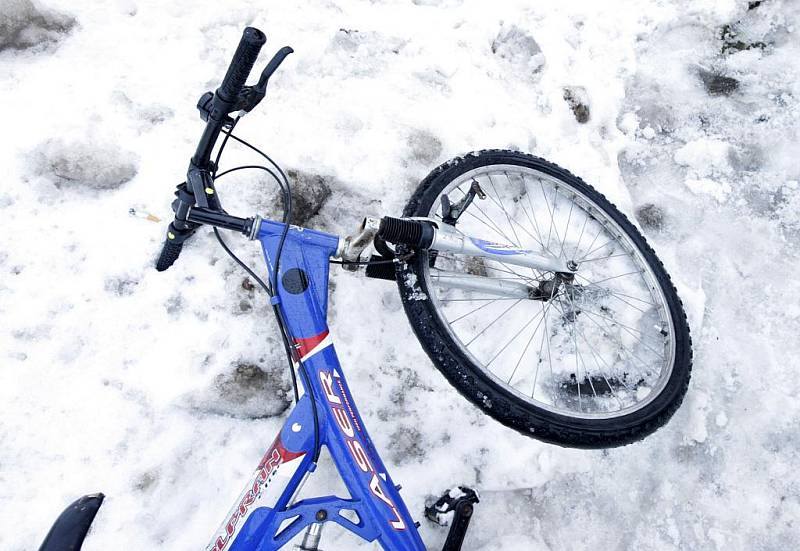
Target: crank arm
458, 530
462, 507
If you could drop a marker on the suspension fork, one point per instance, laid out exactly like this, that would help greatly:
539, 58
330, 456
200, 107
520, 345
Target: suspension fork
431, 235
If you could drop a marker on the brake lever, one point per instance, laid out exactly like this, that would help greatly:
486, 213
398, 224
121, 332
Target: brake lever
252, 95
273, 65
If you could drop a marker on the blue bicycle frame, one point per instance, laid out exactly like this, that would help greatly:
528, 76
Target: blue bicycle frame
265, 516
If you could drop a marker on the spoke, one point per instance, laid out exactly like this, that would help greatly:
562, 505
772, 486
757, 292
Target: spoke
539, 361
552, 213
489, 223
566, 228
549, 356
550, 361
516, 335
522, 206
475, 299
629, 304
542, 245
609, 242
596, 357
577, 369
493, 322
575, 328
617, 292
613, 295
604, 257
616, 277
629, 330
555, 209
492, 227
525, 350
580, 236
588, 375
604, 316
533, 212
511, 221
547, 204
602, 227
459, 318
577, 355
606, 329
502, 207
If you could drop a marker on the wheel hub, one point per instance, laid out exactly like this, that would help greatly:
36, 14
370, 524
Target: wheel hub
549, 288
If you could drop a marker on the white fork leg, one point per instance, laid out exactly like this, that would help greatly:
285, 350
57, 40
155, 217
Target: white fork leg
494, 286
449, 239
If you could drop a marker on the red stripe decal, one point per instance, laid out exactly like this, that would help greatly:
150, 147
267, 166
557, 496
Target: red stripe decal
304, 346
283, 454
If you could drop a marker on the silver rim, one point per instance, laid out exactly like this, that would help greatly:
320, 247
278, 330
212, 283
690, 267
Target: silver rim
600, 348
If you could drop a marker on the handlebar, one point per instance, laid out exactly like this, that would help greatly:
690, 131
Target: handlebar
197, 202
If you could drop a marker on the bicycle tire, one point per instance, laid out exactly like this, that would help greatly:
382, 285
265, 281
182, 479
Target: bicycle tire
497, 401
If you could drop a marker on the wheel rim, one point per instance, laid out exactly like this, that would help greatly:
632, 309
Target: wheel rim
598, 349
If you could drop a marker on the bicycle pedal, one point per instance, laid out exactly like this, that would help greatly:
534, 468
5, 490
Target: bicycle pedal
438, 511
460, 501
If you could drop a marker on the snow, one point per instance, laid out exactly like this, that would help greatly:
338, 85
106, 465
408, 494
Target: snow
163, 390
707, 186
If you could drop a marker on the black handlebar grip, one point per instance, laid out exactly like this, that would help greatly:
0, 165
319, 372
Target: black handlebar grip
172, 246
169, 254
241, 64
415, 233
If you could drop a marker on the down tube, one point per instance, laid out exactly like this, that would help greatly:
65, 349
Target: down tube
302, 292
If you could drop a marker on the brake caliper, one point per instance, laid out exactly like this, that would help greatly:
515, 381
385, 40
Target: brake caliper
451, 212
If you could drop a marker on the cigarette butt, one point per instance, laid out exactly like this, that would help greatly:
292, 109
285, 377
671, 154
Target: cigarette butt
141, 213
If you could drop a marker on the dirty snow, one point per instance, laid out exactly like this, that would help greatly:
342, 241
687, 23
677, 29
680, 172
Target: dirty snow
162, 390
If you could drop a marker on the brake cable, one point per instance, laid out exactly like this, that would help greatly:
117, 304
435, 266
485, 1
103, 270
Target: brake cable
271, 288
395, 260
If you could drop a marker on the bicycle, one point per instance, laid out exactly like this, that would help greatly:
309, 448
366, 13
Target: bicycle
590, 348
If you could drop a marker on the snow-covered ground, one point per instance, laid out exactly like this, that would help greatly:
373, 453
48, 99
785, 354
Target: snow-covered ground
162, 390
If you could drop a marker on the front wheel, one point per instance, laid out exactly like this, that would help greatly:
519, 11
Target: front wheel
597, 358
